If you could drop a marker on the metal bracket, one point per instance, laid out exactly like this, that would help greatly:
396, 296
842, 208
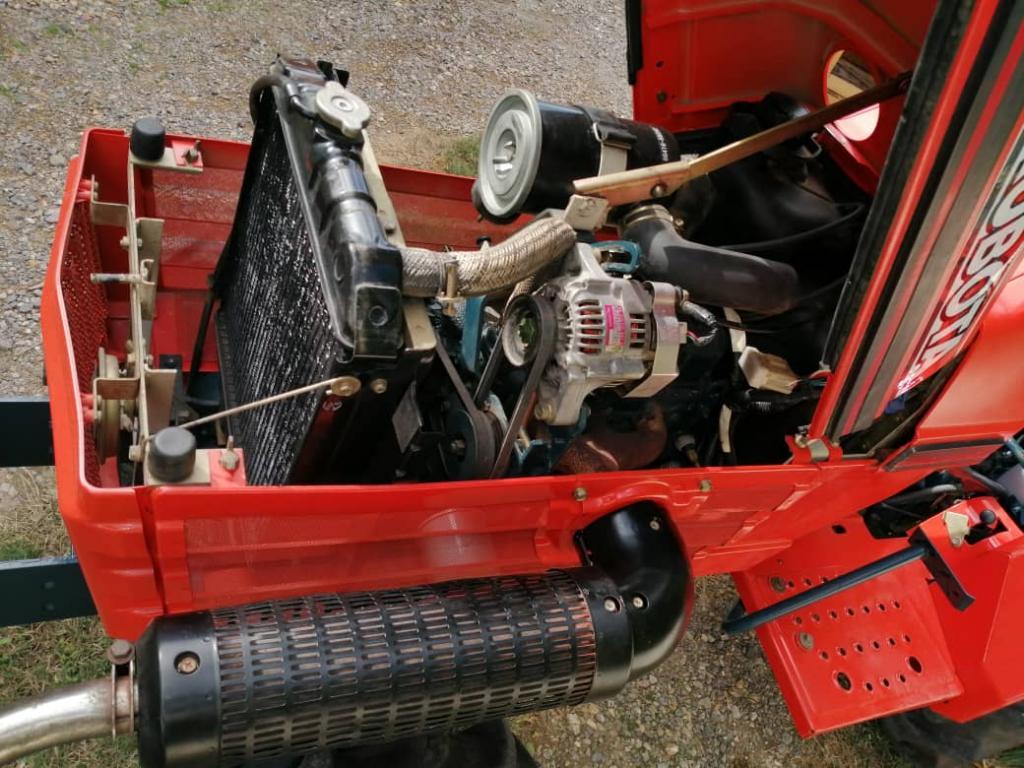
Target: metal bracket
45, 589
945, 578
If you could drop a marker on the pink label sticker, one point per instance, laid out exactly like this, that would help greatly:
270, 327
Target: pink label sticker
615, 330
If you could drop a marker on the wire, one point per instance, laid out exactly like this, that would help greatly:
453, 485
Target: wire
808, 234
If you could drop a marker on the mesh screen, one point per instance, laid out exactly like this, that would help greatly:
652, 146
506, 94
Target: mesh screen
333, 671
86, 309
274, 328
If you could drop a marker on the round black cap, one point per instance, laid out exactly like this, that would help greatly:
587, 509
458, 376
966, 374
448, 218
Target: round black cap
172, 454
147, 140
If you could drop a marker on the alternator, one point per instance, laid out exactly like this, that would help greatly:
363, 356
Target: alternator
612, 331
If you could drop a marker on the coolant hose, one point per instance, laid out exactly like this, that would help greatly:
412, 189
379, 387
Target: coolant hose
710, 275
427, 273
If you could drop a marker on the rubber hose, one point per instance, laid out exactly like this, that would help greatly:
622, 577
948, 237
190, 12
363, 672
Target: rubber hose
710, 275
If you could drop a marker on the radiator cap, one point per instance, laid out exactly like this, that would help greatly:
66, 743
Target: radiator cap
341, 108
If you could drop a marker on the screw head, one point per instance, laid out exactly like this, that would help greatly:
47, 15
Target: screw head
777, 583
655, 524
611, 605
580, 493
659, 190
186, 663
639, 602
379, 386
806, 640
704, 485
120, 652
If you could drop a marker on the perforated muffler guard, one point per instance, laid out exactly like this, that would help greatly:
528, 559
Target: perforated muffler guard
331, 671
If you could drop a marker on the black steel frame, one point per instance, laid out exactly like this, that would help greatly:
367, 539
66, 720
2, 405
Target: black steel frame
45, 588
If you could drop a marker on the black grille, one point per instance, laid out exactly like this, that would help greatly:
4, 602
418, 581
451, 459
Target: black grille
274, 328
333, 671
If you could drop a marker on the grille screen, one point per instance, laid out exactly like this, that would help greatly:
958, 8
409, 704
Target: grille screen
86, 310
273, 326
333, 671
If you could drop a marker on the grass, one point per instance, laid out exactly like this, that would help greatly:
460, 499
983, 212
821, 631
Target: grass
461, 156
166, 4
55, 29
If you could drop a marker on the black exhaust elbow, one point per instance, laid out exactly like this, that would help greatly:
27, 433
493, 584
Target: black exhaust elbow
636, 550
710, 275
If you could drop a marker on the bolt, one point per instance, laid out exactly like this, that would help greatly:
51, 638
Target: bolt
639, 602
186, 663
777, 583
661, 96
120, 652
192, 154
611, 605
806, 640
704, 485
135, 453
345, 386
544, 411
457, 447
659, 190
229, 457
678, 223
580, 493
379, 386
655, 524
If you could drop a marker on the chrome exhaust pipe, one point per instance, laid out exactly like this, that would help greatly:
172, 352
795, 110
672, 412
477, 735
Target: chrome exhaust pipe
101, 707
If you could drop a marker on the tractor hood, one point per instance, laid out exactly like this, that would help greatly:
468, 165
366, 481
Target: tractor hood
690, 59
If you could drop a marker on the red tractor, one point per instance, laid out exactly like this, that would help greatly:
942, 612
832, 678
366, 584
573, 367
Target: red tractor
352, 453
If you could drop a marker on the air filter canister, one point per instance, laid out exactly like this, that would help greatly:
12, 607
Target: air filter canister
532, 151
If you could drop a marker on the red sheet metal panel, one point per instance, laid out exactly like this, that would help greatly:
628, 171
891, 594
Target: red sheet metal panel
872, 650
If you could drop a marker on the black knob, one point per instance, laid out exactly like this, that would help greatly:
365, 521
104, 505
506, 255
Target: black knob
172, 454
988, 517
147, 142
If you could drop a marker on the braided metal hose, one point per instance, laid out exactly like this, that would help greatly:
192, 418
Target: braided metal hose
425, 273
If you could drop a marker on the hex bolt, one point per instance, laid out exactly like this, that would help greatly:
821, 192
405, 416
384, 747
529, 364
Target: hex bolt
806, 640
186, 663
120, 652
379, 386
704, 485
655, 524
580, 493
777, 583
611, 605
639, 602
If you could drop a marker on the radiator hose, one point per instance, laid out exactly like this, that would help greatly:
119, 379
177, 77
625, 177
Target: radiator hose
710, 275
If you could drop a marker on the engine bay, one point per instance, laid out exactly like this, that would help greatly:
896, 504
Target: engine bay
683, 329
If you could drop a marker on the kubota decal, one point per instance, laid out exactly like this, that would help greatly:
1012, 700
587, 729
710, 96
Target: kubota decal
994, 244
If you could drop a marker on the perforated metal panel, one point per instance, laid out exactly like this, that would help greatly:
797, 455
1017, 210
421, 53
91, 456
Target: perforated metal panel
86, 309
338, 670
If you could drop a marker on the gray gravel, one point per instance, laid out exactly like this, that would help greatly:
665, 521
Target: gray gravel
430, 69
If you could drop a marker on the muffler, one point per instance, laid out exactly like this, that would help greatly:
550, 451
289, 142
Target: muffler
283, 678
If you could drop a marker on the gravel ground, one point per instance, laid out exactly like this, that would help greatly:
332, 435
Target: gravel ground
430, 69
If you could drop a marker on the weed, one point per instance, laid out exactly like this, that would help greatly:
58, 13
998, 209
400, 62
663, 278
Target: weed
461, 156
55, 29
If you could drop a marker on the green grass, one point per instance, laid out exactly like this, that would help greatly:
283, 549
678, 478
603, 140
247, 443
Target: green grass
7, 92
461, 156
54, 29
166, 4
1012, 759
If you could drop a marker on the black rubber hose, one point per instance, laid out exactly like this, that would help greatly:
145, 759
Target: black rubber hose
710, 275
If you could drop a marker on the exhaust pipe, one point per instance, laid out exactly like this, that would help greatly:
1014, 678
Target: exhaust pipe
101, 707
289, 677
